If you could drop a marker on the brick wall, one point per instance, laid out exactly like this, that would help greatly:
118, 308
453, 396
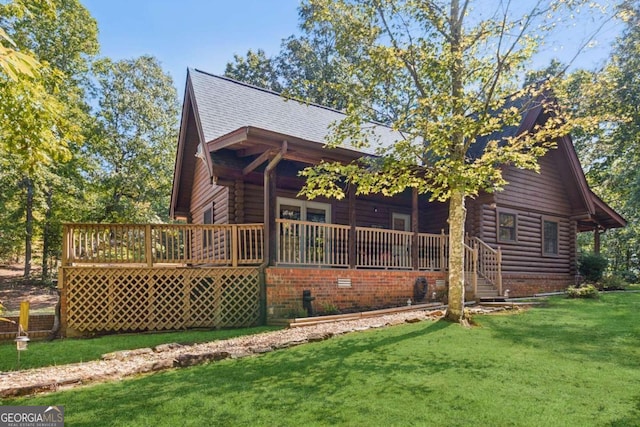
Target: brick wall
522, 285
369, 289
39, 326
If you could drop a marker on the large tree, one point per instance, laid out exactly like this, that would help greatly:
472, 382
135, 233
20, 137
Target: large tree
256, 69
611, 156
308, 66
133, 143
49, 109
447, 74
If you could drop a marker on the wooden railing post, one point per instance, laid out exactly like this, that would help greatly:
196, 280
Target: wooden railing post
352, 230
65, 245
474, 269
499, 267
147, 245
234, 245
414, 228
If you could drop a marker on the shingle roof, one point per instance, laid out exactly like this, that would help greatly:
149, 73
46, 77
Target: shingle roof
225, 105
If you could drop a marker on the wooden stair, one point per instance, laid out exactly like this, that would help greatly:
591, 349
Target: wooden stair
485, 289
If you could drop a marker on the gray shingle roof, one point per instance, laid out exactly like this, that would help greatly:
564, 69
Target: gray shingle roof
225, 105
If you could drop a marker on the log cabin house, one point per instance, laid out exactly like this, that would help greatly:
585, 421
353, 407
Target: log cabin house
251, 245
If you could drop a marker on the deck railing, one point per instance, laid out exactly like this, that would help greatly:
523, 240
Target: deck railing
312, 243
380, 248
327, 245
433, 251
150, 244
298, 243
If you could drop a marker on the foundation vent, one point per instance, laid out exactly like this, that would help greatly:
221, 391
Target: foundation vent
344, 283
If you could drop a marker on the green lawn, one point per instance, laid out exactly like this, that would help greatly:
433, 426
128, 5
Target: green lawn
59, 352
571, 363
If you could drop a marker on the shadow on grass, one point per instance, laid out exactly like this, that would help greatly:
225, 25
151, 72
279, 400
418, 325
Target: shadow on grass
369, 367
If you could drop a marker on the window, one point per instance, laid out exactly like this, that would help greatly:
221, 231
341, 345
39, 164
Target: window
208, 216
549, 237
507, 223
302, 210
401, 222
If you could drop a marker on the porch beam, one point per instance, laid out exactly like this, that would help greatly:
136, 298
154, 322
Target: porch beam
260, 147
302, 158
414, 228
257, 162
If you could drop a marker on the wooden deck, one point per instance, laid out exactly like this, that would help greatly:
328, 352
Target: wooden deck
129, 277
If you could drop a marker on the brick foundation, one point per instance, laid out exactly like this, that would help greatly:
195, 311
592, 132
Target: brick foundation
369, 289
523, 285
40, 325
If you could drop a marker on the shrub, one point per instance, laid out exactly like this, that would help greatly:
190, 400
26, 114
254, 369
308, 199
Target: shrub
296, 313
629, 276
613, 283
588, 291
328, 308
592, 266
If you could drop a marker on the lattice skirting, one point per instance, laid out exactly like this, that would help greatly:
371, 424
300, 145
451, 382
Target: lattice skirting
140, 299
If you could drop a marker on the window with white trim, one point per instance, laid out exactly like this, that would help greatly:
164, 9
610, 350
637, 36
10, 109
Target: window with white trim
303, 210
507, 226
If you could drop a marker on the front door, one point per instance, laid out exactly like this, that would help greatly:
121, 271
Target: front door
401, 250
303, 241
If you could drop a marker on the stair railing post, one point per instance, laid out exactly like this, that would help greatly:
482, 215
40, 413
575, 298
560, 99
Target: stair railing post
475, 271
499, 266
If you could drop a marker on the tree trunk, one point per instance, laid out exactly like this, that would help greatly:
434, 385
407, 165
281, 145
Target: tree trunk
46, 234
457, 215
28, 235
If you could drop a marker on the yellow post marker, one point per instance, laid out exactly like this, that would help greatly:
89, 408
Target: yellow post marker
24, 315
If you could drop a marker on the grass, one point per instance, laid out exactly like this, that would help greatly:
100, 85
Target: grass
571, 363
59, 352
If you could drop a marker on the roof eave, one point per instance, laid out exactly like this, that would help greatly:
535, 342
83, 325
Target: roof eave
177, 167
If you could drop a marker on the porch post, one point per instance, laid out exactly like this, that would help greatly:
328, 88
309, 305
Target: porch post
269, 216
352, 223
66, 232
596, 240
147, 245
269, 184
414, 228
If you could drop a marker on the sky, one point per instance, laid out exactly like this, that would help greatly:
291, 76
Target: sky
205, 34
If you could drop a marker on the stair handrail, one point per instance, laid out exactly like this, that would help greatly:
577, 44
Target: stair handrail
489, 263
471, 264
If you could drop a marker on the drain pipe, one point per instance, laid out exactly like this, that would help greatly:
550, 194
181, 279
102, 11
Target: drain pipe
267, 228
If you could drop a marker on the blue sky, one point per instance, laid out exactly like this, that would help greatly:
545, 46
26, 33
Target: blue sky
191, 33
205, 34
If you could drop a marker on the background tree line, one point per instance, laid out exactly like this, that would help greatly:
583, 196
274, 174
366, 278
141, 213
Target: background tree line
82, 138
85, 138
